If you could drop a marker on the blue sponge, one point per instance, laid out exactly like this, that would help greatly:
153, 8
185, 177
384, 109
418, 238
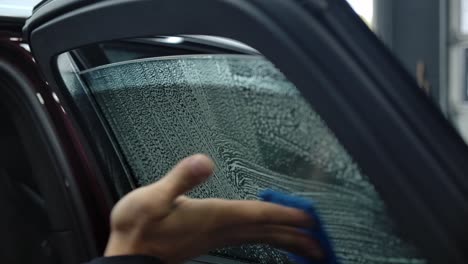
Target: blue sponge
317, 232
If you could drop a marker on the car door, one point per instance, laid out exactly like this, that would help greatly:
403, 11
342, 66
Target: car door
308, 102
40, 211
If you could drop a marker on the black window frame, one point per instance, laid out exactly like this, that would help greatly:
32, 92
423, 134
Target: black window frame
396, 135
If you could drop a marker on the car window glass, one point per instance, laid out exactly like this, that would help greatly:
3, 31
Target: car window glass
261, 133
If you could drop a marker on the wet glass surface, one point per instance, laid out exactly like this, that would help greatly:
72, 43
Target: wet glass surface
261, 133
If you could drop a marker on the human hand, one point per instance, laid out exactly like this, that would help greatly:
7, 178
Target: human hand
158, 220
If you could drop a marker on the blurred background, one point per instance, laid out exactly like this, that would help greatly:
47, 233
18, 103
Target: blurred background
429, 37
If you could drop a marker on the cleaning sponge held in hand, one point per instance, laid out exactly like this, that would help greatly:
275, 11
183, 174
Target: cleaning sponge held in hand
317, 232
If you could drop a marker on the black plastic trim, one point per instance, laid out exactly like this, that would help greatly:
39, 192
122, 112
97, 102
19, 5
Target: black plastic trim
53, 175
95, 129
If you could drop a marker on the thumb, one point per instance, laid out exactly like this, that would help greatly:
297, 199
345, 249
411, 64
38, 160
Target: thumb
186, 175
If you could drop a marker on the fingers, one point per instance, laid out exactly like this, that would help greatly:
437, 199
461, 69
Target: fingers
284, 237
234, 212
187, 174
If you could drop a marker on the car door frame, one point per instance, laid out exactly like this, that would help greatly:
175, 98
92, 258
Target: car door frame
50, 144
396, 135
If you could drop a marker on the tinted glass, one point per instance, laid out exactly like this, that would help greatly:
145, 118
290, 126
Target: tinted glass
261, 133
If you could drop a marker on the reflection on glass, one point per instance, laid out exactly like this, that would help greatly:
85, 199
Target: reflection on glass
260, 132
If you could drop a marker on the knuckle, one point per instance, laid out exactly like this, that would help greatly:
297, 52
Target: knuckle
263, 216
260, 217
132, 210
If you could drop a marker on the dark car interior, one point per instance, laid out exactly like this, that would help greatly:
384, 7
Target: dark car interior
35, 218
24, 222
